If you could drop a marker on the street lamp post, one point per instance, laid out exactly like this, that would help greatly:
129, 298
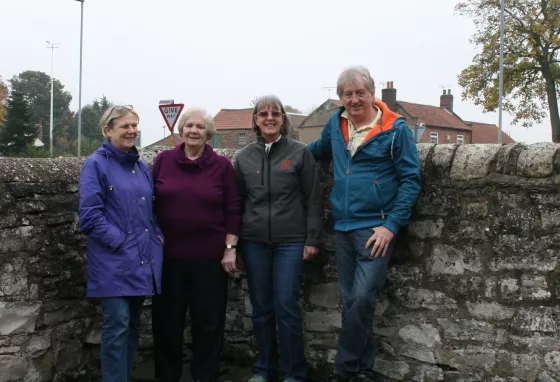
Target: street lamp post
501, 84
52, 47
80, 81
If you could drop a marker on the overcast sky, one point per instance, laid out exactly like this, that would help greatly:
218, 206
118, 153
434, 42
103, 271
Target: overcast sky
222, 53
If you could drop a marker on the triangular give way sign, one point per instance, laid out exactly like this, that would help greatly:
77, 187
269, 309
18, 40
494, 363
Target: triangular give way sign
170, 113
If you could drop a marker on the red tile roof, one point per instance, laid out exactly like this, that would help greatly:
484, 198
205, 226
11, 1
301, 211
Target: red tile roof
242, 119
233, 119
487, 133
432, 116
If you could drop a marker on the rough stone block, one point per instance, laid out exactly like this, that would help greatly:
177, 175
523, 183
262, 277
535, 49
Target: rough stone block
322, 322
14, 277
523, 366
392, 369
18, 317
490, 311
424, 298
475, 210
552, 361
537, 319
537, 343
550, 218
447, 260
441, 159
40, 369
426, 373
426, 229
467, 330
423, 334
12, 368
517, 253
325, 295
38, 343
424, 151
529, 287
537, 160
473, 161
27, 238
468, 358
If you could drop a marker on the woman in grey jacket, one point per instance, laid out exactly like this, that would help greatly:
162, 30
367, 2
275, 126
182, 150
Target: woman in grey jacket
281, 227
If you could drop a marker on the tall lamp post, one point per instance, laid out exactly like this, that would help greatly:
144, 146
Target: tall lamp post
80, 82
501, 84
52, 47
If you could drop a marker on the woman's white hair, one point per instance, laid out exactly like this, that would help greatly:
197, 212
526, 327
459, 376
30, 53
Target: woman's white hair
207, 118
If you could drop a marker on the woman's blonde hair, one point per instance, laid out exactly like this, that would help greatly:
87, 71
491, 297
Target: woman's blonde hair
115, 112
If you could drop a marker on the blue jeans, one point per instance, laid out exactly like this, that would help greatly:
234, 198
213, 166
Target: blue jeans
274, 273
360, 278
119, 337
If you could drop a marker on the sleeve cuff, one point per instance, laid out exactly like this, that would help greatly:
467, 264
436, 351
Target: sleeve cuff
392, 226
114, 238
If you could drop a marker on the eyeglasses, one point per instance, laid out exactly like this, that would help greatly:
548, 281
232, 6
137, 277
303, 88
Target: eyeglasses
117, 108
274, 114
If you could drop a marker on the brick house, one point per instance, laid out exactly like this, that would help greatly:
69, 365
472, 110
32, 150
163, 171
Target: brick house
233, 128
442, 124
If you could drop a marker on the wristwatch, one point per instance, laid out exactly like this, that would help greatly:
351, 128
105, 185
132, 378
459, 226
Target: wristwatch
231, 246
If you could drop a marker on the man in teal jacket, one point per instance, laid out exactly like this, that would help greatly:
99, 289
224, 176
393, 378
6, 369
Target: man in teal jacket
376, 184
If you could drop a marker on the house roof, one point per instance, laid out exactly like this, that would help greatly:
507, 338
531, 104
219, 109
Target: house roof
228, 119
233, 119
487, 133
167, 141
432, 116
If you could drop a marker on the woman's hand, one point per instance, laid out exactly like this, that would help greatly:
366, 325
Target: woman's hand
309, 252
228, 260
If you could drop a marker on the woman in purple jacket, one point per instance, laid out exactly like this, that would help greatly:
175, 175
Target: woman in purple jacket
198, 207
124, 242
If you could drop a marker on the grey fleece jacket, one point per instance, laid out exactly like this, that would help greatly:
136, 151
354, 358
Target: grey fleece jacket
281, 193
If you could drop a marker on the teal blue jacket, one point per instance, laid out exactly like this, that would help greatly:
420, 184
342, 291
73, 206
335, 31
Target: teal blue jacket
380, 184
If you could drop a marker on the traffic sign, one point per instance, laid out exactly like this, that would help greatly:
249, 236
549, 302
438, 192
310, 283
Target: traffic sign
170, 113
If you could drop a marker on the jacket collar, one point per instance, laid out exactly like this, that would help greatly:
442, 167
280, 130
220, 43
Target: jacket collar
278, 142
204, 161
122, 157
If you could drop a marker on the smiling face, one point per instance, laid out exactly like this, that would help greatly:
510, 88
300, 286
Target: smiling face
269, 119
194, 131
123, 132
358, 100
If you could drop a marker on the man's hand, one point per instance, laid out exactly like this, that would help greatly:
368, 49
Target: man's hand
228, 261
309, 252
381, 239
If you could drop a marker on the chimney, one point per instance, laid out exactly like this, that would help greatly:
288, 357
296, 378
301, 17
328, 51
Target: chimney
446, 100
389, 96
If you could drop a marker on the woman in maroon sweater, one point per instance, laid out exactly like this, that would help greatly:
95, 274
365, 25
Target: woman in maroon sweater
198, 209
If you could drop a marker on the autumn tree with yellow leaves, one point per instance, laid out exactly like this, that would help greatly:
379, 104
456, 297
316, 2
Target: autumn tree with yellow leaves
531, 59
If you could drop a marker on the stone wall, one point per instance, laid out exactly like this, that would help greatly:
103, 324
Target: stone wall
472, 293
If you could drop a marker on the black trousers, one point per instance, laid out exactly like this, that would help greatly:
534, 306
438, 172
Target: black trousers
199, 286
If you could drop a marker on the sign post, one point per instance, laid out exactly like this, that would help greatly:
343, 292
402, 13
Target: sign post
170, 113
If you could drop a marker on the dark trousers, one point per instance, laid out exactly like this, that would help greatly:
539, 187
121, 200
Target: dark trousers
274, 274
119, 336
360, 278
201, 287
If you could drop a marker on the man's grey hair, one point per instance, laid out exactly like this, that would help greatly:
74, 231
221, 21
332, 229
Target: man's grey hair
352, 76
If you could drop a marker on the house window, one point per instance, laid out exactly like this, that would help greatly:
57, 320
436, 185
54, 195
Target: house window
434, 137
217, 141
460, 140
242, 138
